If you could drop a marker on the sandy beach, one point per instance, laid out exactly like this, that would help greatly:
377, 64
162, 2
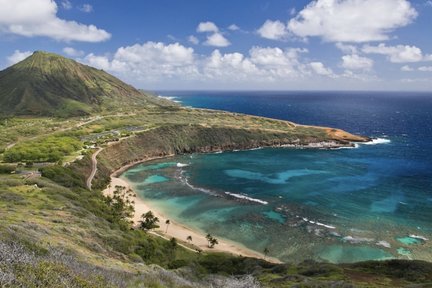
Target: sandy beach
180, 231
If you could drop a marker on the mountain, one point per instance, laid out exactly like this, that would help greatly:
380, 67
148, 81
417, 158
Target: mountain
52, 85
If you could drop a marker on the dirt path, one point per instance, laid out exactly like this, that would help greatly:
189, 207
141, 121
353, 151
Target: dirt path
94, 168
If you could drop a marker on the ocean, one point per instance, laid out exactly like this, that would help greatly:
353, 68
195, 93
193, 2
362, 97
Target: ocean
369, 202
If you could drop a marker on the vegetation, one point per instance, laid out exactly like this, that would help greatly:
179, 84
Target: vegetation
211, 241
48, 84
56, 233
149, 221
47, 149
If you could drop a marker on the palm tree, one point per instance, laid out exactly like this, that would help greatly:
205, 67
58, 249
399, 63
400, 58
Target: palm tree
167, 222
149, 221
189, 238
211, 241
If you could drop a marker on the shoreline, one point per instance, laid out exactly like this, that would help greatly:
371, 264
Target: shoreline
179, 230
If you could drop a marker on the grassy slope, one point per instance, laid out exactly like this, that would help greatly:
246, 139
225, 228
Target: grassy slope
55, 230
48, 84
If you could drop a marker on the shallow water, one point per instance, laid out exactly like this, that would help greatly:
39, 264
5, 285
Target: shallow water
341, 205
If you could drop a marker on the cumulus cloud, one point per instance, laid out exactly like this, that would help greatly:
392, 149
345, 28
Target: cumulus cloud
66, 4
150, 61
274, 30
194, 40
73, 52
352, 20
233, 27
397, 54
18, 56
425, 68
86, 8
407, 68
217, 40
320, 69
32, 18
356, 62
207, 27
349, 49
153, 62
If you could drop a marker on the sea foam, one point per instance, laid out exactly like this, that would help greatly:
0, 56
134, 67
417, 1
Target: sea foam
377, 141
180, 165
240, 196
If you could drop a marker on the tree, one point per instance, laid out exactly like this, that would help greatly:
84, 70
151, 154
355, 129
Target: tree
167, 222
173, 242
211, 241
189, 238
121, 206
149, 221
266, 252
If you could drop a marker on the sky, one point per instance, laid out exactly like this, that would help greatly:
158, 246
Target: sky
232, 45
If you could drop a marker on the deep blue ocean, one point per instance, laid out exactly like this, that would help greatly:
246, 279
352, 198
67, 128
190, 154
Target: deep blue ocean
346, 205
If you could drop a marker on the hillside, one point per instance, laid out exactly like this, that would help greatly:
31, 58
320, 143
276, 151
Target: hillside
55, 232
49, 84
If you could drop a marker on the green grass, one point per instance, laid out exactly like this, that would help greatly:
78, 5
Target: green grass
44, 149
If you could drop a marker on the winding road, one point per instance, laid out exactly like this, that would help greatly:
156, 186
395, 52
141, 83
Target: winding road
94, 168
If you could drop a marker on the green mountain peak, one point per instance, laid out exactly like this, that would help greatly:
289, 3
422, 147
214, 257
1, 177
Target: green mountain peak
49, 84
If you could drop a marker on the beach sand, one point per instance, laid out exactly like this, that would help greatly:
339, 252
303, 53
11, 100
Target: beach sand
181, 232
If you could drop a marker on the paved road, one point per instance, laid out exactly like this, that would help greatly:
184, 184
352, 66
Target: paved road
94, 168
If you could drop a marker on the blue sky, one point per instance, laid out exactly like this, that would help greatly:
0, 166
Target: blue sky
241, 44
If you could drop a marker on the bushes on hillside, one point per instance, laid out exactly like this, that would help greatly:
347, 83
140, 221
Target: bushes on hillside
49, 149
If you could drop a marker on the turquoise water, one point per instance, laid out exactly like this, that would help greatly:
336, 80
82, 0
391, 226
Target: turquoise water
341, 205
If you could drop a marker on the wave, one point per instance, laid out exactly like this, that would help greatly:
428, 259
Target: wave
180, 165
418, 237
171, 98
376, 141
317, 223
383, 243
240, 196
356, 240
185, 181
356, 145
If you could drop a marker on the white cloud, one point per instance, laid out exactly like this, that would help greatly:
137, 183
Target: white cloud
217, 40
66, 4
274, 30
73, 52
233, 27
232, 67
407, 68
207, 27
86, 8
425, 68
194, 40
150, 61
356, 62
428, 3
320, 69
156, 65
352, 20
18, 56
32, 18
396, 54
349, 49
